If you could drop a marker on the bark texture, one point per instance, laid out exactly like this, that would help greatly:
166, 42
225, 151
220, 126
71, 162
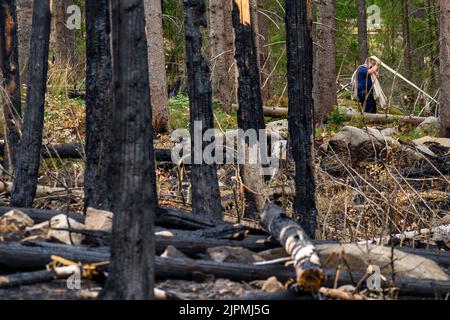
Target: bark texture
131, 274
205, 187
250, 112
9, 62
325, 97
362, 31
444, 116
301, 110
222, 52
310, 276
157, 66
63, 39
27, 161
24, 21
99, 94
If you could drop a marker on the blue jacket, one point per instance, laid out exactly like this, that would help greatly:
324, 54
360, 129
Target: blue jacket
364, 79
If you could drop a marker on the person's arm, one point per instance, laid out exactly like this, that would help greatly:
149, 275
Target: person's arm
373, 70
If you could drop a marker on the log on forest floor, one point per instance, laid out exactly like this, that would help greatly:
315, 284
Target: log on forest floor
76, 151
19, 256
166, 217
277, 112
191, 243
295, 241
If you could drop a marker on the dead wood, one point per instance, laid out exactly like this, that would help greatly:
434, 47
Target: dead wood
293, 238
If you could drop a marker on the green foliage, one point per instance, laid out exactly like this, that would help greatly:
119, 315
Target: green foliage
179, 114
337, 117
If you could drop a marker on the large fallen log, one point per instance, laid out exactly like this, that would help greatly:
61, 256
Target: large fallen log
166, 217
293, 238
18, 256
278, 112
76, 151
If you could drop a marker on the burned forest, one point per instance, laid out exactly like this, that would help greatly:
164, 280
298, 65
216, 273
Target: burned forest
251, 150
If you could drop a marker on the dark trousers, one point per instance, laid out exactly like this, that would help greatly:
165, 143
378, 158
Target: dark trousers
369, 104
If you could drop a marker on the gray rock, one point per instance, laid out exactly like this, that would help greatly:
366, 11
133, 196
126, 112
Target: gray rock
99, 220
359, 257
429, 125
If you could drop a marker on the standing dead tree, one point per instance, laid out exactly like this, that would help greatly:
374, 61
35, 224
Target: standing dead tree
99, 94
250, 112
132, 174
205, 186
10, 86
29, 155
301, 111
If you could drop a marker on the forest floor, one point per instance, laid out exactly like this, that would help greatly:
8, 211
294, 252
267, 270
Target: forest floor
356, 200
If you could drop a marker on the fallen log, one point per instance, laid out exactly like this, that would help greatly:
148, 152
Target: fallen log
41, 215
76, 151
293, 238
43, 191
166, 217
26, 278
278, 112
19, 256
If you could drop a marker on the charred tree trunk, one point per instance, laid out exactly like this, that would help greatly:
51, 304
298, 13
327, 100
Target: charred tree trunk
9, 62
99, 92
301, 110
24, 21
362, 31
28, 158
445, 69
250, 112
131, 274
222, 53
157, 62
325, 97
205, 186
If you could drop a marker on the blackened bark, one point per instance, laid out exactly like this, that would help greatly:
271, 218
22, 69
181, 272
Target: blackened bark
97, 190
132, 174
9, 62
28, 158
250, 112
301, 111
205, 186
362, 31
